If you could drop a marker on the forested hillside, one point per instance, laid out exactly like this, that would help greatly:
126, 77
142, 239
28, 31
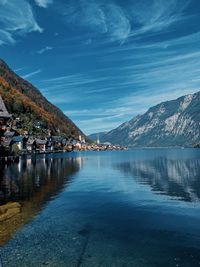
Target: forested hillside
25, 101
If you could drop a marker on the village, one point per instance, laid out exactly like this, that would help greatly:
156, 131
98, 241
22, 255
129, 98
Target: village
12, 143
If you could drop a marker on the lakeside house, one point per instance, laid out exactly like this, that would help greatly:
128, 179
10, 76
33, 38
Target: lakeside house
41, 145
9, 134
20, 141
49, 144
12, 142
31, 145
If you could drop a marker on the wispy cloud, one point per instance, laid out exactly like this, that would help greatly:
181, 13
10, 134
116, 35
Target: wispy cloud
142, 102
28, 75
105, 119
117, 59
44, 49
16, 18
72, 84
19, 69
137, 80
99, 16
6, 37
129, 90
101, 112
98, 124
120, 21
43, 3
157, 15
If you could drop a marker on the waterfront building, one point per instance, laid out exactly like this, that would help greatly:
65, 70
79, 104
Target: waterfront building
41, 144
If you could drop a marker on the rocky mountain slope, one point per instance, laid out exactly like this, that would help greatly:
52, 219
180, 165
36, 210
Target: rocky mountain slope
25, 101
171, 123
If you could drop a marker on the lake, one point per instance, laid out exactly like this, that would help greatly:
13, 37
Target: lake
118, 208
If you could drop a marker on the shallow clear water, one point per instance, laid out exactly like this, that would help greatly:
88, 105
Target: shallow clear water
123, 208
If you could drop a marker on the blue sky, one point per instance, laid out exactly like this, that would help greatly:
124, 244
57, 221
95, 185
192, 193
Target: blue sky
100, 61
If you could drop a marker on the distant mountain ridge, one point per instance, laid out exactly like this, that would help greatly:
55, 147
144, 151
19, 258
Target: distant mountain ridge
95, 136
23, 100
171, 123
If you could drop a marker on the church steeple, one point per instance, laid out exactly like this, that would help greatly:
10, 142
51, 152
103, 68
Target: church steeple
98, 140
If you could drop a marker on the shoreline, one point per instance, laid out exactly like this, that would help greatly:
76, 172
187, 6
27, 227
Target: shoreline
15, 159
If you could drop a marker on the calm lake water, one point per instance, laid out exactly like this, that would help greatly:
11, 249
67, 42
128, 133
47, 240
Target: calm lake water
121, 208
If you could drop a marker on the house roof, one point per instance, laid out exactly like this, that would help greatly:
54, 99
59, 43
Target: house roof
64, 141
31, 141
3, 111
75, 142
9, 134
18, 139
41, 142
57, 138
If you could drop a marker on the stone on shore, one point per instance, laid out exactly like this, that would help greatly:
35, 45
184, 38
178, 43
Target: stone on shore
9, 210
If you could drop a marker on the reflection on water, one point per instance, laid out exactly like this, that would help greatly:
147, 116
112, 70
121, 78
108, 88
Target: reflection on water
29, 178
110, 213
33, 182
177, 178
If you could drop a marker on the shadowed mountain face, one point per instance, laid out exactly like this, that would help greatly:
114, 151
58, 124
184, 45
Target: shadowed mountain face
25, 101
171, 123
175, 178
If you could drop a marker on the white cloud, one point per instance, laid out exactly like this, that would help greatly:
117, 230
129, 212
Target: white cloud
19, 69
16, 18
105, 18
43, 3
6, 37
97, 125
28, 75
119, 22
149, 99
157, 15
45, 49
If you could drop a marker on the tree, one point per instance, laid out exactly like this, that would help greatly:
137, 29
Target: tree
15, 150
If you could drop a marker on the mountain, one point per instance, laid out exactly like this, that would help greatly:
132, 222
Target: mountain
171, 123
197, 145
95, 136
27, 103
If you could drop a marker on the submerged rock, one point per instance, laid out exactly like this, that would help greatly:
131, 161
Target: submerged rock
9, 210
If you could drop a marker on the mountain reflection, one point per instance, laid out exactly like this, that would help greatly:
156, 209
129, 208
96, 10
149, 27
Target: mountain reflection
175, 178
20, 182
33, 182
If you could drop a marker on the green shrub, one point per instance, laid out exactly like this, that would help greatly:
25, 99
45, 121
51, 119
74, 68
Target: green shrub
15, 150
